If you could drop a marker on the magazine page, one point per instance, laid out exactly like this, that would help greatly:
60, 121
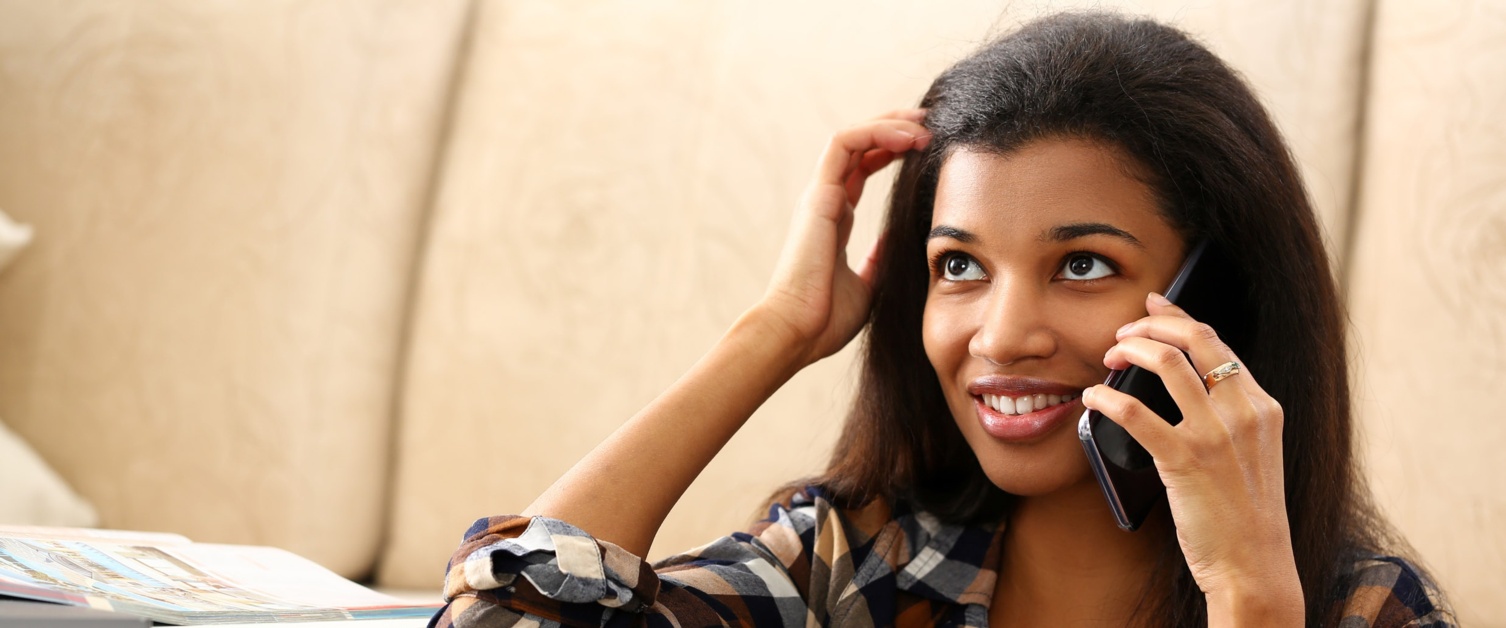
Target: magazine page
188, 583
282, 575
94, 534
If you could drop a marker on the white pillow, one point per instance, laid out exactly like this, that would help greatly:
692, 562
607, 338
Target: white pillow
13, 238
31, 493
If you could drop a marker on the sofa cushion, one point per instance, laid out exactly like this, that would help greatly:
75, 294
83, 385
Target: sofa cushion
206, 341
34, 493
1428, 290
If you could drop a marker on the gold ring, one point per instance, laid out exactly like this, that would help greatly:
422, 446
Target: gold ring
1218, 374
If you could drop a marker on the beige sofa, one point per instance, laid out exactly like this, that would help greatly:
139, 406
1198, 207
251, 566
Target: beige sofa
341, 276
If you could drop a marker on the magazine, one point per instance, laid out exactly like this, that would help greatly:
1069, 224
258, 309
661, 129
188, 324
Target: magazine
169, 579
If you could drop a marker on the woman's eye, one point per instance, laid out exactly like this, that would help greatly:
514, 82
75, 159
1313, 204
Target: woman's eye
959, 267
1085, 267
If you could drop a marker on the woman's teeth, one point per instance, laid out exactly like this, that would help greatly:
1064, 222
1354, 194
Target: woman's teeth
1025, 404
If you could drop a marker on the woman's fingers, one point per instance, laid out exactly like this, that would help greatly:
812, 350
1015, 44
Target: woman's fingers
1245, 402
1147, 428
1183, 383
1170, 324
1196, 340
1237, 403
848, 147
871, 162
1169, 364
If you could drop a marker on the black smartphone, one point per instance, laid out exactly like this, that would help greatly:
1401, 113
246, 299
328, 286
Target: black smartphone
1209, 288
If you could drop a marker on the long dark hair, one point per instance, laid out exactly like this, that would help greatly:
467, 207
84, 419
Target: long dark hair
1221, 172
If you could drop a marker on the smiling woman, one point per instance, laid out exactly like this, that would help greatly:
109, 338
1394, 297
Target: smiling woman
1051, 185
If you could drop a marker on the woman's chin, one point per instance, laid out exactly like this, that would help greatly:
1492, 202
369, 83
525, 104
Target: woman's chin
1039, 485
1037, 473
1035, 469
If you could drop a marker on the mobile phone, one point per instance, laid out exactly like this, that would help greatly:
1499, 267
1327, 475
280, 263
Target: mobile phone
1211, 290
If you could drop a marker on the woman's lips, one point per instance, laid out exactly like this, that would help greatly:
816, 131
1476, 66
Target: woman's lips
1026, 427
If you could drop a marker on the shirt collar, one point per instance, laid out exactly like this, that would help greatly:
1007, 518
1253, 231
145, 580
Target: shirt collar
949, 562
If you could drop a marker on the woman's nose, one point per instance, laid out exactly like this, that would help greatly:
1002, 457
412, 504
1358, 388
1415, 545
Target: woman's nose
1015, 325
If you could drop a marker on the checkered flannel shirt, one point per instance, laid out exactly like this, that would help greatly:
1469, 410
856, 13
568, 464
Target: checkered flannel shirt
808, 564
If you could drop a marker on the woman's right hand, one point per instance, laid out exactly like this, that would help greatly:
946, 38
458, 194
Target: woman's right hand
815, 295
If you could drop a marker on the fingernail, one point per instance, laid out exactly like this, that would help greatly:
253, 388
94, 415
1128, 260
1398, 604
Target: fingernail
1087, 394
1156, 298
1122, 330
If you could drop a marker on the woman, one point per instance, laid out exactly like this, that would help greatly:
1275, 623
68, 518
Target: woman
1051, 184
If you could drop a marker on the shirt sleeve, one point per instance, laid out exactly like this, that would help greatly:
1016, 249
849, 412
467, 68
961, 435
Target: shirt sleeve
1388, 592
516, 570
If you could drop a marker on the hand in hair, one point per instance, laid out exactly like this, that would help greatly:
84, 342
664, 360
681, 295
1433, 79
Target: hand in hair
1222, 465
815, 296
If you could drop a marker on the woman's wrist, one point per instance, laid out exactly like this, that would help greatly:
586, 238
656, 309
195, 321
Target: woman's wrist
1258, 603
622, 491
763, 331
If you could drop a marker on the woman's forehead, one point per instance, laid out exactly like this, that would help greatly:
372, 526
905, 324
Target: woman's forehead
1043, 185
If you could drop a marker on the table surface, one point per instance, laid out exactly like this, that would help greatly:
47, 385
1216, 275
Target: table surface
412, 622
407, 595
8, 620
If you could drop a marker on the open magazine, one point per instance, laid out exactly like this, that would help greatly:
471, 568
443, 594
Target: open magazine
169, 579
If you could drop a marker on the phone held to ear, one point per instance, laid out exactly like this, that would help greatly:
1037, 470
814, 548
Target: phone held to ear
1210, 289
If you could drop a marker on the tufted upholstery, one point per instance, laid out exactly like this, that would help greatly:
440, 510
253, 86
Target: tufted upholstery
227, 201
303, 269
1428, 288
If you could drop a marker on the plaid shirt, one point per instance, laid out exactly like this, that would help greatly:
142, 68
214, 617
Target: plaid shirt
808, 564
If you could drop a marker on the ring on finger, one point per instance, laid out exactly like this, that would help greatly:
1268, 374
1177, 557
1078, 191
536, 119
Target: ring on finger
1219, 373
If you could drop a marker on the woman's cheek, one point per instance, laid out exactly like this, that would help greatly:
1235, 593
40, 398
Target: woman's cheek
945, 336
1095, 332
1101, 338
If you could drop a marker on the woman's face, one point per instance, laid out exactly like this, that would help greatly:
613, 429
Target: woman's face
1037, 258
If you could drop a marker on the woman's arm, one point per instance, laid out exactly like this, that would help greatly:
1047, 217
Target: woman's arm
622, 491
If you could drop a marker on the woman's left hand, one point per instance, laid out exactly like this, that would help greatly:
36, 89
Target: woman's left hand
1222, 465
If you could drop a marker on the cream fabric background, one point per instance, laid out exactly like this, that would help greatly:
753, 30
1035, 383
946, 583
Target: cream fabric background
205, 334
1428, 290
33, 493
208, 335
616, 191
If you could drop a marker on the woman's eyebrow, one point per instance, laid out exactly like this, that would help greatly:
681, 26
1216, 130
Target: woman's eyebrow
1062, 233
943, 231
